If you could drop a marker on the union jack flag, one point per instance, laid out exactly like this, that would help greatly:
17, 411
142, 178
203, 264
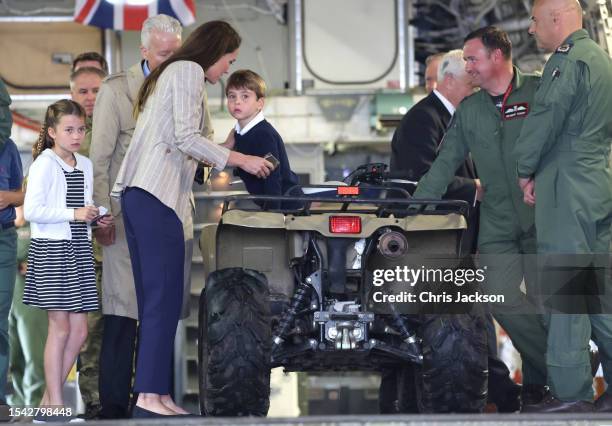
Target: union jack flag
130, 14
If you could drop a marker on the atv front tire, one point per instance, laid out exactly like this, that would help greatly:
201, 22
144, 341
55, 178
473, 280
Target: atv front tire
234, 344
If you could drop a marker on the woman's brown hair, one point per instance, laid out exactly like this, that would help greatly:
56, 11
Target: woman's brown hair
52, 117
205, 46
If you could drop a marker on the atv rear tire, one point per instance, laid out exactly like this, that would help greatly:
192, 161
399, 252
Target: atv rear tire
407, 395
388, 392
454, 374
234, 344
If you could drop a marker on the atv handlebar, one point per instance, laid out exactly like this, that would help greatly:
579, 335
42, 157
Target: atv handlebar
404, 206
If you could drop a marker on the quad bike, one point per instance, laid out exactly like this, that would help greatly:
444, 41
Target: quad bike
294, 288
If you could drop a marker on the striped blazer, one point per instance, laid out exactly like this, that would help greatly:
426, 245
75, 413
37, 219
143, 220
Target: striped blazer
167, 142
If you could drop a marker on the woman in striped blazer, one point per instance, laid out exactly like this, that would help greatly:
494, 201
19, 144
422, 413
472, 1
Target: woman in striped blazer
154, 183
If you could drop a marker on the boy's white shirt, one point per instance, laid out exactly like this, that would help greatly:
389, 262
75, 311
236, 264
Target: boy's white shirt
44, 205
255, 121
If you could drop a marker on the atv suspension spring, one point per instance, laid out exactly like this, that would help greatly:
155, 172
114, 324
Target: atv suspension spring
408, 336
399, 324
300, 298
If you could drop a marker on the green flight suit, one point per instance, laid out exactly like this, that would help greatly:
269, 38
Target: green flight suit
27, 334
8, 247
506, 240
89, 357
565, 144
6, 119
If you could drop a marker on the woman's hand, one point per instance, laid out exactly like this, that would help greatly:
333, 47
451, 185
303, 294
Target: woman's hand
257, 166
86, 214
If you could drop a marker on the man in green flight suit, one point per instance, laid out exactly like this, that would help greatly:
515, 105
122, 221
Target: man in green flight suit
562, 157
487, 125
11, 196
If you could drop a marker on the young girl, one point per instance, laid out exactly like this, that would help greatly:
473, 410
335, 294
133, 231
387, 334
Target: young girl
60, 277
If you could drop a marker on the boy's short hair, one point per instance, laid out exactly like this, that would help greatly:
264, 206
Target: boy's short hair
246, 79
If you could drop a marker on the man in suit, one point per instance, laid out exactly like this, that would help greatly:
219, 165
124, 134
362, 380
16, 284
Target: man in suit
113, 125
415, 146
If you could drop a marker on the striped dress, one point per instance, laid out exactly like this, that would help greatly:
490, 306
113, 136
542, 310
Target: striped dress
60, 274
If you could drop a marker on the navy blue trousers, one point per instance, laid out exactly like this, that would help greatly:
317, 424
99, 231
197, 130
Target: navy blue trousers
157, 251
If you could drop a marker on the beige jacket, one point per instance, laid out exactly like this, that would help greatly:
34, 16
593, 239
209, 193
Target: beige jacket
113, 126
167, 142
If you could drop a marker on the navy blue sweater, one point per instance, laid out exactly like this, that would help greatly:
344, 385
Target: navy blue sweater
261, 140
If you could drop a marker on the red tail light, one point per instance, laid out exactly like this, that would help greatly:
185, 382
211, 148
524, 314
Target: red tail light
345, 224
348, 190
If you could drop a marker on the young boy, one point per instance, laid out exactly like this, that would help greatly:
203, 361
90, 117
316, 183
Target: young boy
253, 135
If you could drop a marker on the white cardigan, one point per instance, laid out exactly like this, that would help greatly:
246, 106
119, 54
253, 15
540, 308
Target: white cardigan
45, 199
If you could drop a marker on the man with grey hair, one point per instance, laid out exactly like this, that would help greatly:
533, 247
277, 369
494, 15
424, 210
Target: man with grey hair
159, 38
414, 146
113, 125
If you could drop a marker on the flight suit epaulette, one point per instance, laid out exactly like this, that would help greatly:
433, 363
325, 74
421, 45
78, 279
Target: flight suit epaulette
564, 48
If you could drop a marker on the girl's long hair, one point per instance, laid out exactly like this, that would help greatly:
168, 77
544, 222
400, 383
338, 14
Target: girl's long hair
205, 45
52, 117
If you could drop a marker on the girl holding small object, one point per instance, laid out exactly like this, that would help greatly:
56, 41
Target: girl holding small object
60, 277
